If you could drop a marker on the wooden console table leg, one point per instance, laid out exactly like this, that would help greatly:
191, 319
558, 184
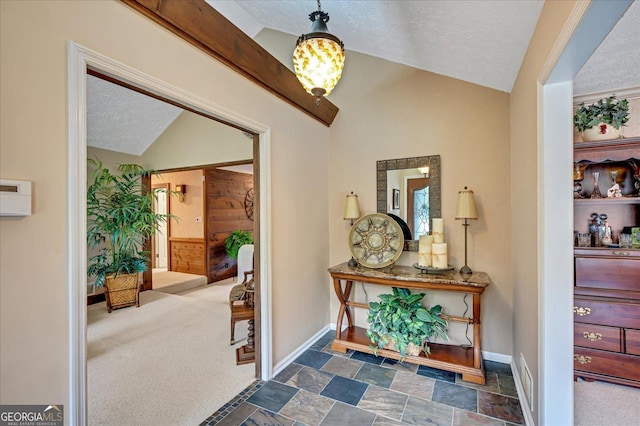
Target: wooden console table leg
477, 377
343, 297
477, 339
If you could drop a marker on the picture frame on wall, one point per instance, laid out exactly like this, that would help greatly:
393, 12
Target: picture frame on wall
396, 198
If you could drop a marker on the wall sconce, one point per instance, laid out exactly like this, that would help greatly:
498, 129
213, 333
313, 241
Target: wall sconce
181, 190
466, 210
424, 170
351, 208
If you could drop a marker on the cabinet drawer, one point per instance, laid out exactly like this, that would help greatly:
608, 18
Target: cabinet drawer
608, 272
632, 341
608, 363
597, 337
606, 312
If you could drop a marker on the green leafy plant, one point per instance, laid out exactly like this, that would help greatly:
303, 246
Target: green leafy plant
609, 111
235, 240
402, 317
120, 216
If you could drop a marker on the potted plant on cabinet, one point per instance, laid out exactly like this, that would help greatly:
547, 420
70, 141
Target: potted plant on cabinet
120, 218
400, 322
235, 240
601, 120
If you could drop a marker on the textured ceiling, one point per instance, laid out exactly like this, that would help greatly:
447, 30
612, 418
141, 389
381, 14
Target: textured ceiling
482, 42
119, 119
616, 62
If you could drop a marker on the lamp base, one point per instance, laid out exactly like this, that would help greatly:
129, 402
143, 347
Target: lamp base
352, 262
466, 270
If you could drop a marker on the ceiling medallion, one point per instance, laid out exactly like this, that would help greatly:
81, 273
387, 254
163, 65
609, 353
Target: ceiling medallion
248, 203
376, 240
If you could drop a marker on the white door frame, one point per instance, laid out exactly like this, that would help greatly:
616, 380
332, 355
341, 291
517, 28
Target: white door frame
79, 58
586, 28
161, 237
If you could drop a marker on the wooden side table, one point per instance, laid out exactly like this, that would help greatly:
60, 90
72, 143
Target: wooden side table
463, 360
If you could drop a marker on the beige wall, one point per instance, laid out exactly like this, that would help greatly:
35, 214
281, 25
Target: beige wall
185, 224
34, 303
397, 111
524, 200
194, 140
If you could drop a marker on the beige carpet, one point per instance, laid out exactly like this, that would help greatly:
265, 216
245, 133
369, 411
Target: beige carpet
166, 363
605, 404
176, 282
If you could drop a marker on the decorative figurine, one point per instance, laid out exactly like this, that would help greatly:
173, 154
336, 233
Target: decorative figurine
636, 176
606, 239
578, 175
614, 191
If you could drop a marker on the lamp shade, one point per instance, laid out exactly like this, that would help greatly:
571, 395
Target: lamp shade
351, 208
318, 58
466, 205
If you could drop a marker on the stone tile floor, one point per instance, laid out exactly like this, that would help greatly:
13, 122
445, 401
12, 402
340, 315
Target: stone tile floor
323, 387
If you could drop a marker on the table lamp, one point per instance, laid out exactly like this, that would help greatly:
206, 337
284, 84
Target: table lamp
352, 212
466, 210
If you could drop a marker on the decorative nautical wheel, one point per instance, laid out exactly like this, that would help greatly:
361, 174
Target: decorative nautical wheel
248, 204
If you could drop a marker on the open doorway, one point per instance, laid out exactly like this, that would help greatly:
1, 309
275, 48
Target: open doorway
159, 256
255, 149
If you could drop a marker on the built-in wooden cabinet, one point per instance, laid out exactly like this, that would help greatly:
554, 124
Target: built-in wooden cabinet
607, 278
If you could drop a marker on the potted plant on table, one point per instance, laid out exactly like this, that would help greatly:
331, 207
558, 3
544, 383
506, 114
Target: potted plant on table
120, 218
601, 120
400, 322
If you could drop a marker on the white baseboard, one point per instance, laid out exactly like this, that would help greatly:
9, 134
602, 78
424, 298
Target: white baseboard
492, 356
300, 349
522, 397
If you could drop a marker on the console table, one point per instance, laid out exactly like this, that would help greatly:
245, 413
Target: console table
464, 360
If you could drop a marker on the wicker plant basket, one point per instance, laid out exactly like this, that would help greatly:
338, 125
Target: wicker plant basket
121, 291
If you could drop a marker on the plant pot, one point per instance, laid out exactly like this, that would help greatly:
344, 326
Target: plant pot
600, 132
121, 291
412, 349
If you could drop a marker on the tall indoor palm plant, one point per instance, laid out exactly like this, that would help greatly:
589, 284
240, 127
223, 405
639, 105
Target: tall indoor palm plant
120, 218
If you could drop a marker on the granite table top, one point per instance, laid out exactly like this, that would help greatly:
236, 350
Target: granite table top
410, 274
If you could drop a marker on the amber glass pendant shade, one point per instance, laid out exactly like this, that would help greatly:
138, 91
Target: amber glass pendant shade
318, 58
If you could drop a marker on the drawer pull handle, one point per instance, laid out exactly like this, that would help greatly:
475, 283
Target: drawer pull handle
580, 311
621, 253
592, 336
582, 359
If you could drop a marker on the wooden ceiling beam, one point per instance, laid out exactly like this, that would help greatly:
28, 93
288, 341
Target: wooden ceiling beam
204, 27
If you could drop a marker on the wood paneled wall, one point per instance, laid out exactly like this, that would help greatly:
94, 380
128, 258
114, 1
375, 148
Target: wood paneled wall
225, 192
187, 255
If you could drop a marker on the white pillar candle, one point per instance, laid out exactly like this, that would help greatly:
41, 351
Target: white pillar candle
439, 255
424, 250
438, 230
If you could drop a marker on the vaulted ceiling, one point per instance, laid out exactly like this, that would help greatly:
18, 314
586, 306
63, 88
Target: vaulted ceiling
483, 42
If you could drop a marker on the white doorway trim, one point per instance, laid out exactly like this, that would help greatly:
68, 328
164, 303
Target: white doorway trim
588, 25
79, 58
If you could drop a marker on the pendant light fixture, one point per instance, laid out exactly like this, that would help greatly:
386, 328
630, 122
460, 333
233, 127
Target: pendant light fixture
319, 57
